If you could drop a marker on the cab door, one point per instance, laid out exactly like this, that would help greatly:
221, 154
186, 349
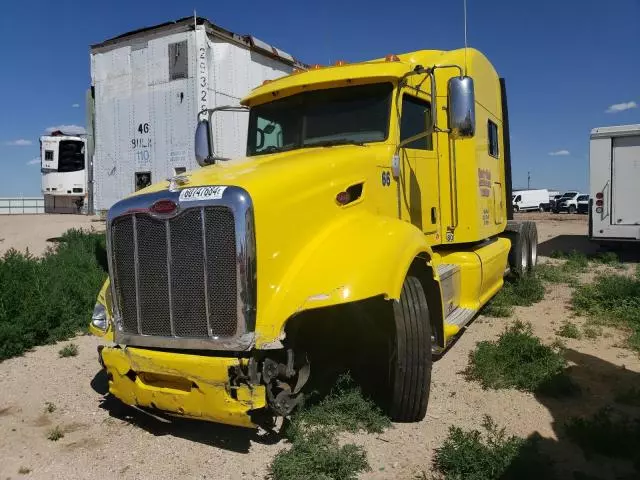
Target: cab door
419, 196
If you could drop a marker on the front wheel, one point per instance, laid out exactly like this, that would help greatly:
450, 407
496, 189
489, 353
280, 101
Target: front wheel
410, 354
572, 209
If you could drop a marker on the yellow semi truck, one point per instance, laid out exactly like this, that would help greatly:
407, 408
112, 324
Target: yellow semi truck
367, 225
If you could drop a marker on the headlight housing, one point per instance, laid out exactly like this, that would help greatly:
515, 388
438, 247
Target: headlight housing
99, 317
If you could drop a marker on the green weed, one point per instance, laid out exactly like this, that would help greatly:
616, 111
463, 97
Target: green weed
568, 330
470, 455
612, 300
523, 291
519, 360
55, 434
50, 298
345, 408
70, 350
591, 331
606, 433
315, 452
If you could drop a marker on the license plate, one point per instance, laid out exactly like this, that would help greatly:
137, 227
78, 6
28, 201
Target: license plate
201, 193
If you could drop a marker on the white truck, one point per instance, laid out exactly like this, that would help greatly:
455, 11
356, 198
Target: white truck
64, 173
525, 200
147, 88
614, 172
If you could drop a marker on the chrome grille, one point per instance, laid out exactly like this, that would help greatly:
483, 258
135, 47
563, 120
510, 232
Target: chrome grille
176, 277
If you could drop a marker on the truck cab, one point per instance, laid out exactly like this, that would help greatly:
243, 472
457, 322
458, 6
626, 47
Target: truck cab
366, 226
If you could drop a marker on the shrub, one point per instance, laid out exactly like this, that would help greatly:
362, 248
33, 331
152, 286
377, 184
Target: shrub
519, 360
523, 291
469, 455
346, 409
48, 299
55, 434
313, 432
568, 330
70, 350
316, 455
612, 300
606, 433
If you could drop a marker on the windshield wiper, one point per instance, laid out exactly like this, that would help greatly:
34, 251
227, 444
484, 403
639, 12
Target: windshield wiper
333, 143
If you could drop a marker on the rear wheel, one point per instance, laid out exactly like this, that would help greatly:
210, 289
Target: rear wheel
410, 354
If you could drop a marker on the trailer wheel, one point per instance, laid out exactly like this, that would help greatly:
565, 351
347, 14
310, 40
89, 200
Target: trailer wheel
410, 354
532, 245
518, 233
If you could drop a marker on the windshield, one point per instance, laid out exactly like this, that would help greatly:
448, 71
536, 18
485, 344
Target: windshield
583, 197
568, 195
71, 157
336, 116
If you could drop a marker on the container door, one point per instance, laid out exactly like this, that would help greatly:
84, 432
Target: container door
626, 181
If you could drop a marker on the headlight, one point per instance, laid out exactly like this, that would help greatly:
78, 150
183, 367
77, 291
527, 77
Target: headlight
99, 317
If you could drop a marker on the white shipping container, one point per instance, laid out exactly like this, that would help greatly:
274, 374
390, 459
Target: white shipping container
147, 89
614, 158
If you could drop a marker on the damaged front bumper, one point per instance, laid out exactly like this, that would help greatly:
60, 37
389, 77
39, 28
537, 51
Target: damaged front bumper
187, 385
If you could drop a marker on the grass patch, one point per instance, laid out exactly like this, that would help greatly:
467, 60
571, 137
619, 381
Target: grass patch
518, 359
591, 331
630, 397
70, 350
346, 409
568, 330
612, 300
55, 434
315, 452
606, 433
475, 455
49, 407
523, 291
49, 298
316, 455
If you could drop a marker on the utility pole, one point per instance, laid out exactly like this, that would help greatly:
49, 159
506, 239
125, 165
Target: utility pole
528, 180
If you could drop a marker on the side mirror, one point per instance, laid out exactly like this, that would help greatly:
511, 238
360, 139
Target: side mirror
462, 107
202, 144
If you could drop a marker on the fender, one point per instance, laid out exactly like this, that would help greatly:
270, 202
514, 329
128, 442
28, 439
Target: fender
357, 257
104, 298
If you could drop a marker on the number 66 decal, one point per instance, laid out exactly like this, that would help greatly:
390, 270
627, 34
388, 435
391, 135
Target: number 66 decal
386, 178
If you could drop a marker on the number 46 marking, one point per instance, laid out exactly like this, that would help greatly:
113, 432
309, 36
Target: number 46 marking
143, 128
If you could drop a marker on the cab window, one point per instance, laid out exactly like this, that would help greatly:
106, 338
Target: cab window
416, 115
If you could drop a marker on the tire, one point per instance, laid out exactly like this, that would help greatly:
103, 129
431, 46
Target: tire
516, 208
555, 211
410, 354
531, 230
572, 209
518, 234
541, 208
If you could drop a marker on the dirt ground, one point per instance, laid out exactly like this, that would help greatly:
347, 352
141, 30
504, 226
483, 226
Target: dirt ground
104, 439
32, 231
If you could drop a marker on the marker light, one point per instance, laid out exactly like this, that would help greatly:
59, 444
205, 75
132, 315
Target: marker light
343, 198
599, 195
340, 63
391, 58
599, 203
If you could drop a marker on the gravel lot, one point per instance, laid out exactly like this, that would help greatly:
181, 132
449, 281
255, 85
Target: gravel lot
104, 439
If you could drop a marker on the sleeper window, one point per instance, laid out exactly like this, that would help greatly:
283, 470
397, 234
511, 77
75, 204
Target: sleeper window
493, 139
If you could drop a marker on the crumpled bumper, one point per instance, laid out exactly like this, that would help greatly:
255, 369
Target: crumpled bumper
188, 385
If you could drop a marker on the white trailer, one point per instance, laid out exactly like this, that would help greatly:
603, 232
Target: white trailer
614, 158
64, 173
148, 87
526, 200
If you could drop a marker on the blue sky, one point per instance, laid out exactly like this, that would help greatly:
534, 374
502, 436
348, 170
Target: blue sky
566, 63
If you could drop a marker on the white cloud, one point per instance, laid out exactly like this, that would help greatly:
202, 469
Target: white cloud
621, 107
34, 161
21, 142
68, 129
560, 152
76, 105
